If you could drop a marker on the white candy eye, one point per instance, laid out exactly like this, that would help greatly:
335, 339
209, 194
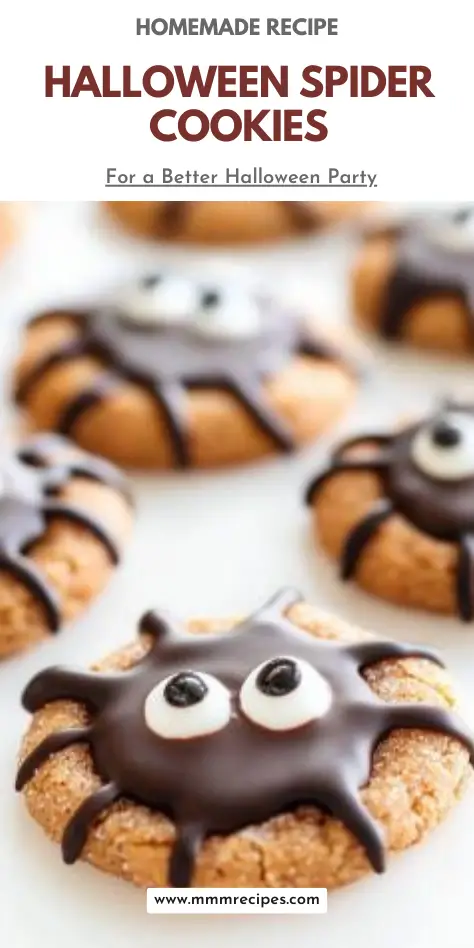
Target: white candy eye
444, 450
285, 693
160, 301
189, 704
227, 315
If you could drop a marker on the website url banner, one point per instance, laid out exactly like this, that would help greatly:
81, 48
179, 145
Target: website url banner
237, 901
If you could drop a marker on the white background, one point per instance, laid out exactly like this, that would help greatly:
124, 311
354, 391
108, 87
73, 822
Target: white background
217, 543
60, 148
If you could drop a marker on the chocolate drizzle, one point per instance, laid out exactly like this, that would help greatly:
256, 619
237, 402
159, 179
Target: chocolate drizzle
301, 215
172, 217
29, 482
169, 360
443, 509
243, 774
426, 268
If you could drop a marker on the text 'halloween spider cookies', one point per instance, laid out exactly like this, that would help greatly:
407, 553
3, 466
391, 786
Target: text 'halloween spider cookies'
397, 511
283, 750
416, 283
176, 373
64, 517
229, 222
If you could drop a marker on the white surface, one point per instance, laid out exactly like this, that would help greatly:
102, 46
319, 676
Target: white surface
218, 543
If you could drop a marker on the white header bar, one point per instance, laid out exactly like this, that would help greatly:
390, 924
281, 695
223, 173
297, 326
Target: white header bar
346, 101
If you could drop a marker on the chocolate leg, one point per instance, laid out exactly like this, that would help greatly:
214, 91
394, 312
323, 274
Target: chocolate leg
65, 353
278, 604
60, 509
96, 393
161, 624
465, 578
380, 440
318, 348
346, 806
103, 473
253, 398
26, 571
75, 834
376, 464
183, 857
171, 400
361, 535
324, 349
171, 217
58, 683
429, 718
300, 216
368, 653
51, 745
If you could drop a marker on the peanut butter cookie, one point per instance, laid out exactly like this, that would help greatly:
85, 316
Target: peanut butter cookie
416, 284
64, 517
288, 749
177, 374
397, 511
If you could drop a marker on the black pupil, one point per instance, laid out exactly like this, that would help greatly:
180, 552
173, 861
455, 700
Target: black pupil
150, 281
210, 299
185, 689
31, 458
279, 677
445, 434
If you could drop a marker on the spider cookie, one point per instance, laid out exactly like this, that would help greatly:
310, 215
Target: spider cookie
287, 749
64, 516
178, 374
417, 284
397, 511
229, 222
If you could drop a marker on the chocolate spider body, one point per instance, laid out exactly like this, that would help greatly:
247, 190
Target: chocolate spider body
171, 356
427, 475
289, 720
30, 481
426, 266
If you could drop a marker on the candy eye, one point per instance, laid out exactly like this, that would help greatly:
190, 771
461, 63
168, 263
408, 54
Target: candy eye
159, 300
285, 693
227, 315
187, 705
445, 449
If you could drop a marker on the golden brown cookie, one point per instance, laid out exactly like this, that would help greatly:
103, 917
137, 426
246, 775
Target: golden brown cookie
207, 738
174, 373
397, 511
229, 222
64, 517
416, 284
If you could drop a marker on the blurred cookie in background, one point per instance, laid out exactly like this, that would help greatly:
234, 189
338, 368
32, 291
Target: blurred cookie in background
177, 371
415, 282
65, 516
230, 222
